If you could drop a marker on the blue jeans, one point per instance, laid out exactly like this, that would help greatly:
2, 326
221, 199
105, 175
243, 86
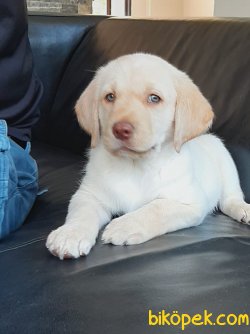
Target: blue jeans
18, 182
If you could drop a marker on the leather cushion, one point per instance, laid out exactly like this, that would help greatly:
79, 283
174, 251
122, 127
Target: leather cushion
54, 40
110, 291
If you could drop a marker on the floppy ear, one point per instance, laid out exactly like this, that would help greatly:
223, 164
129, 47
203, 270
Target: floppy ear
87, 112
193, 113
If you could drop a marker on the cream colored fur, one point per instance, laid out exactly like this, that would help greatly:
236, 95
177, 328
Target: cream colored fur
169, 175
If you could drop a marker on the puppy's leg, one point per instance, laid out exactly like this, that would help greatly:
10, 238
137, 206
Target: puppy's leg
156, 218
232, 200
78, 235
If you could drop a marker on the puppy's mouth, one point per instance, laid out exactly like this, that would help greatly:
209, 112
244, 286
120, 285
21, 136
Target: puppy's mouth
126, 148
133, 151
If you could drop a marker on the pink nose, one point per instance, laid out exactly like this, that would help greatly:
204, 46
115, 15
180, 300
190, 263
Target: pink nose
122, 130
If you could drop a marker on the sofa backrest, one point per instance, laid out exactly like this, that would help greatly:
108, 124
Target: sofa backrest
54, 40
214, 52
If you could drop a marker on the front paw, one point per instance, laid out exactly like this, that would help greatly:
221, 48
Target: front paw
70, 241
245, 214
125, 231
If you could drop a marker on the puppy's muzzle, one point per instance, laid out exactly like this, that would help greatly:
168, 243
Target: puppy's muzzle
123, 130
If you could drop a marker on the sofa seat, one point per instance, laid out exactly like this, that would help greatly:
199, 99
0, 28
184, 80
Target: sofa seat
112, 289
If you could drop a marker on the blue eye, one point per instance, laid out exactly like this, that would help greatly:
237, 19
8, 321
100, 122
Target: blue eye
110, 97
153, 98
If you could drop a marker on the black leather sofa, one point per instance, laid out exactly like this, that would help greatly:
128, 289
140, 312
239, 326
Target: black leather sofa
112, 290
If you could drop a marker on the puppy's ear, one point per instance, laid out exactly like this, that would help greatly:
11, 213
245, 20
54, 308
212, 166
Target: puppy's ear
87, 112
193, 113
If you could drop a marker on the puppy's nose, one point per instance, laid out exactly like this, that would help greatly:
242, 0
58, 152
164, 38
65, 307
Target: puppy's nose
122, 130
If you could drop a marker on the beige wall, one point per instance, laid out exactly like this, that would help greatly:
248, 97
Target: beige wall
139, 8
199, 8
157, 8
172, 8
168, 8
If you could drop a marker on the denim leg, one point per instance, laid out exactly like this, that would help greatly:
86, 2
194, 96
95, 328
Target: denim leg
18, 182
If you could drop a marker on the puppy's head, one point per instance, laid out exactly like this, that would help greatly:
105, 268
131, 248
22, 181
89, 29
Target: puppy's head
137, 102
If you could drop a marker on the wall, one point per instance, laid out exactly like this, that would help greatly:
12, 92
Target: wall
156, 8
232, 8
198, 8
168, 8
141, 8
172, 8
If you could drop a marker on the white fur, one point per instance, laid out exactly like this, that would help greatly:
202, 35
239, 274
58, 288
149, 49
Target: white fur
158, 192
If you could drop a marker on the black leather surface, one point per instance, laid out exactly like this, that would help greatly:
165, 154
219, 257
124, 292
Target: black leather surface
54, 40
110, 291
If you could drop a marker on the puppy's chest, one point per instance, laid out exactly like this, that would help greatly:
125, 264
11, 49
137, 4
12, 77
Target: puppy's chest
130, 190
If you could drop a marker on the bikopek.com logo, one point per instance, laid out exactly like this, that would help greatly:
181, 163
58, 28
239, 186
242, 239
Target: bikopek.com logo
206, 318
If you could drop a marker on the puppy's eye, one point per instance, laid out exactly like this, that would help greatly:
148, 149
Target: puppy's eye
110, 97
153, 98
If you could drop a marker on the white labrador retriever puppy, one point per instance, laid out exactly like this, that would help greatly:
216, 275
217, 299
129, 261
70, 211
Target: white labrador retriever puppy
150, 159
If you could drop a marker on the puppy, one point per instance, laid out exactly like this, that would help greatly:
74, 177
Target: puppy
150, 159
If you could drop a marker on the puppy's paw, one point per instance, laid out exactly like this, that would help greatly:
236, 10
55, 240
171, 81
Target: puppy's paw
124, 231
70, 242
240, 211
244, 214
